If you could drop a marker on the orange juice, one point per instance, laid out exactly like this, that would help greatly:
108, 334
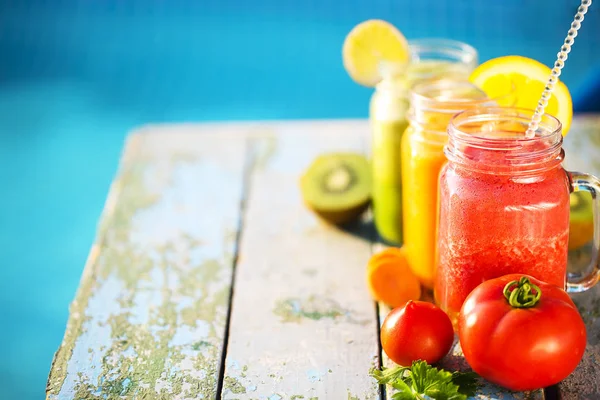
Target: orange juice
432, 106
422, 160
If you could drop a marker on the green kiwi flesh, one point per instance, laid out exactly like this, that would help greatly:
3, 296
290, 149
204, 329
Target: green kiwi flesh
337, 186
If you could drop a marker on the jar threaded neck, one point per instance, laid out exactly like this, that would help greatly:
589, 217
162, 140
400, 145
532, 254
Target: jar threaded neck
494, 140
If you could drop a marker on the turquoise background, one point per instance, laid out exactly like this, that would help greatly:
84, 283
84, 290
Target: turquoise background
76, 76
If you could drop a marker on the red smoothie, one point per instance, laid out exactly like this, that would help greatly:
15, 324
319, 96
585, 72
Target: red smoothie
496, 218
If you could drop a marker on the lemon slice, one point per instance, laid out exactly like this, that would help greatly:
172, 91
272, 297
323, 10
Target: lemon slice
528, 77
367, 45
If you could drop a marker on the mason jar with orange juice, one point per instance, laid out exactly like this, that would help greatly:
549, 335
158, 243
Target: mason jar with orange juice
433, 104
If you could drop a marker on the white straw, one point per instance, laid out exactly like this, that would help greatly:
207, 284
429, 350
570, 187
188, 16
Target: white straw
563, 54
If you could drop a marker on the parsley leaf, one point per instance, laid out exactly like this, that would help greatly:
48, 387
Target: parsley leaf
404, 391
422, 380
387, 375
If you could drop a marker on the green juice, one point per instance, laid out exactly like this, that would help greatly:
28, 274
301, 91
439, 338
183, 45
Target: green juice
387, 178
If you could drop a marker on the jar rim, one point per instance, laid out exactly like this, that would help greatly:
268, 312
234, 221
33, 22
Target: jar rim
549, 125
454, 49
498, 137
429, 96
458, 54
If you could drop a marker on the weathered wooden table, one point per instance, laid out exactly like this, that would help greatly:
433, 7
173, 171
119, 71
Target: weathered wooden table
210, 279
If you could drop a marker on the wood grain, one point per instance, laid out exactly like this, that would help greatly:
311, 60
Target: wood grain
149, 317
303, 325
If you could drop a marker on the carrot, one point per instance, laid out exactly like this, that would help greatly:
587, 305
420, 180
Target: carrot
390, 253
390, 279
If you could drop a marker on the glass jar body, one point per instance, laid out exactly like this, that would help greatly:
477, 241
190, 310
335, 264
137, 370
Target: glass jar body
504, 204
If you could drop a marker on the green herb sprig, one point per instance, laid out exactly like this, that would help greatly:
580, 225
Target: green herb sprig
422, 381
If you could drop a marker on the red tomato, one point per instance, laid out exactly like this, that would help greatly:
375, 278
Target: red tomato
416, 331
521, 333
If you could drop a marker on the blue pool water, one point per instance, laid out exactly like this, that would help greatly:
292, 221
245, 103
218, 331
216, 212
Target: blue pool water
75, 76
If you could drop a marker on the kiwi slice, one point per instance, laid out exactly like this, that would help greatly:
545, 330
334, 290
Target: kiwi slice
337, 186
581, 220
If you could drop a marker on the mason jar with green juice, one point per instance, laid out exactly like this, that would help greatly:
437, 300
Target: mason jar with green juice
429, 59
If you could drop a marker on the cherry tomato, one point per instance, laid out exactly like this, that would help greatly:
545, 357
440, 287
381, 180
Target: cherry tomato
521, 333
416, 331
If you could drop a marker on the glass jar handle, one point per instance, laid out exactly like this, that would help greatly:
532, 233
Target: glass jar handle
579, 282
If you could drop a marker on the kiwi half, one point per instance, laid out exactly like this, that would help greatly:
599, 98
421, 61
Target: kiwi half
337, 186
581, 220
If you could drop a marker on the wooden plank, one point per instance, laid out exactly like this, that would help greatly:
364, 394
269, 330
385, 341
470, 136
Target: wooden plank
582, 151
303, 325
148, 320
149, 317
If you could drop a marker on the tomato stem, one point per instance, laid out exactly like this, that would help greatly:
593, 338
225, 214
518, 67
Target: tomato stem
522, 293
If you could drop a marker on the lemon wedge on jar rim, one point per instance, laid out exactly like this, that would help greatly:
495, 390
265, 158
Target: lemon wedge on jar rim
528, 78
367, 45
